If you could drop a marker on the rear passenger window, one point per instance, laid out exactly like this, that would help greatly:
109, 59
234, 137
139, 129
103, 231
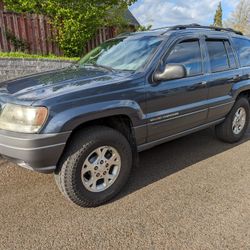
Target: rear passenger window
218, 56
187, 53
242, 47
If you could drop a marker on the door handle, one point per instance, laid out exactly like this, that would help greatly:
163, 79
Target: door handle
202, 84
236, 78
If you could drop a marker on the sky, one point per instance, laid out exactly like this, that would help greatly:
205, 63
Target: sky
161, 13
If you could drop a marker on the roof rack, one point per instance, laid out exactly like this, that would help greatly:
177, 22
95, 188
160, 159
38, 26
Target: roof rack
161, 28
197, 26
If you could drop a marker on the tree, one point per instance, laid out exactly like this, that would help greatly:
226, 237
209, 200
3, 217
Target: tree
240, 18
76, 20
218, 16
144, 28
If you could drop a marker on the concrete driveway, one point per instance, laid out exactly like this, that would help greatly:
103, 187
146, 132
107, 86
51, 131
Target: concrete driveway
192, 193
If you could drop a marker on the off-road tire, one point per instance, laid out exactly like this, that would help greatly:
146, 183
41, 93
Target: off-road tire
68, 174
224, 131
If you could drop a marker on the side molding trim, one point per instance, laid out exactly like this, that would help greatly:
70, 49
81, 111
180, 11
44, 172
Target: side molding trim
175, 136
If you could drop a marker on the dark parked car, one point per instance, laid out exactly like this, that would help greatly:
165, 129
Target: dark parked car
87, 123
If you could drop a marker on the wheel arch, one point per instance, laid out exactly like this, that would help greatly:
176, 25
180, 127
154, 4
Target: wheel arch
241, 89
244, 93
120, 122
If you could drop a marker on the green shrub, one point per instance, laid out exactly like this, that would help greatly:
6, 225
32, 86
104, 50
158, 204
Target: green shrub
25, 55
76, 20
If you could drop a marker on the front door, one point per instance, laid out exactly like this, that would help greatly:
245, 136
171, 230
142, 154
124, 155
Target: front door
174, 106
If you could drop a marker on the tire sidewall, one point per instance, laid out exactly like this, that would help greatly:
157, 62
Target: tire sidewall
243, 102
126, 161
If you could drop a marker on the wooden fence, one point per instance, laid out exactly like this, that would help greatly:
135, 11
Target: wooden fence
35, 34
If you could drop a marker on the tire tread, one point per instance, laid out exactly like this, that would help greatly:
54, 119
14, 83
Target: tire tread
224, 130
64, 176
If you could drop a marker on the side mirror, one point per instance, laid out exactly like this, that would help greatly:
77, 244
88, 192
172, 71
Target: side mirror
171, 72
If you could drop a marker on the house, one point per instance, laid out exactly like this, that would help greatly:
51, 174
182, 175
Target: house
132, 21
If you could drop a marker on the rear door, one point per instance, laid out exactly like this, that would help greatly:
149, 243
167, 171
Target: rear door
223, 72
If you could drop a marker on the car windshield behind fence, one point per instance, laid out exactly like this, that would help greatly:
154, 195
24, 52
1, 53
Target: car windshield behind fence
128, 53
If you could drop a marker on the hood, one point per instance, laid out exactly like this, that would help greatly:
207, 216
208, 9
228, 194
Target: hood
45, 85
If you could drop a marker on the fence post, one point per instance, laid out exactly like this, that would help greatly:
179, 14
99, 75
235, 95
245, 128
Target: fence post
43, 35
4, 46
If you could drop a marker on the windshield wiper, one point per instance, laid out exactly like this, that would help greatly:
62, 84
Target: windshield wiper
100, 66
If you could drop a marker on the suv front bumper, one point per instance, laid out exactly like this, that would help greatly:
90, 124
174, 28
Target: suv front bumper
39, 152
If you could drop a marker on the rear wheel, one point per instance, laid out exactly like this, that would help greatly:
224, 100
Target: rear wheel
235, 125
95, 167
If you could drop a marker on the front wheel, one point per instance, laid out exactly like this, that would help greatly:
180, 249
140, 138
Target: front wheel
95, 167
235, 125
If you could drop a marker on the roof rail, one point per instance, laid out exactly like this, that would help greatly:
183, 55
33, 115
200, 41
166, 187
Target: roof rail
161, 28
197, 26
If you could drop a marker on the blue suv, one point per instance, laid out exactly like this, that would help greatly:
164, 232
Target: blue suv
87, 123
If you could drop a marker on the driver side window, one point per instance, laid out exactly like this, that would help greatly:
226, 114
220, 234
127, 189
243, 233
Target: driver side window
187, 53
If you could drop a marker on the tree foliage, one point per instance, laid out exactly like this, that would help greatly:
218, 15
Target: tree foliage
218, 16
240, 18
144, 28
76, 20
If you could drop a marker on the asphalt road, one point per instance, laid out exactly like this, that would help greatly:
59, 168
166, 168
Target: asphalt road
192, 193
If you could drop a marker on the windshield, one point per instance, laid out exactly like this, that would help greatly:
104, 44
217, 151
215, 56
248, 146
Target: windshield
128, 53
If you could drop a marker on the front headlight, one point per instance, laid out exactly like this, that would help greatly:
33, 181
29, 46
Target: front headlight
23, 119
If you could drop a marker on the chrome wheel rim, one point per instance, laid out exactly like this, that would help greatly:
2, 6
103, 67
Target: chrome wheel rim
101, 168
239, 121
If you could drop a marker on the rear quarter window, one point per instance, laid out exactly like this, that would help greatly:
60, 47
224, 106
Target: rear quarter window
242, 47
